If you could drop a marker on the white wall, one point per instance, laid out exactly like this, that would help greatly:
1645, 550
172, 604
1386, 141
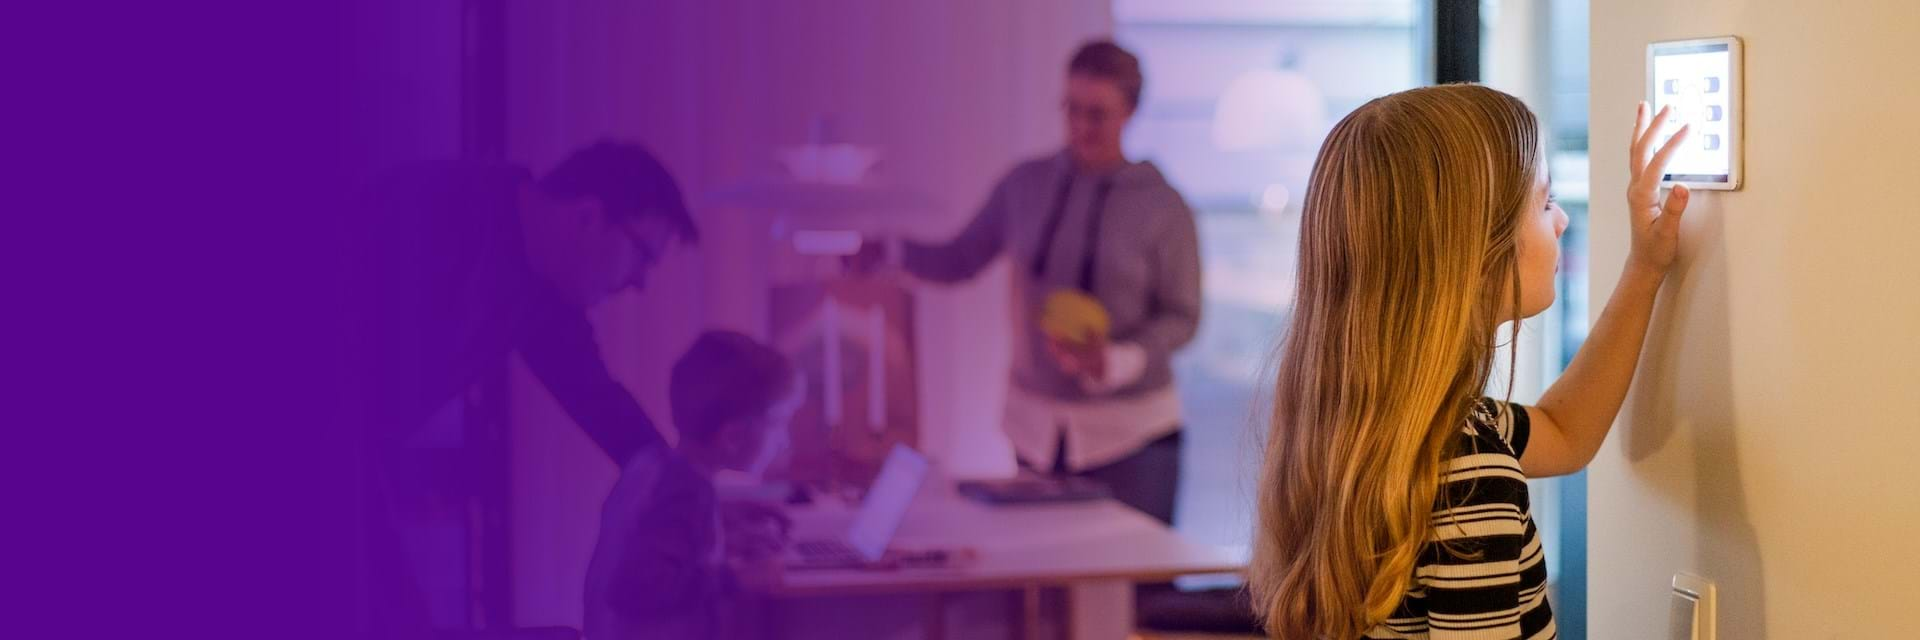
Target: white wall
1769, 441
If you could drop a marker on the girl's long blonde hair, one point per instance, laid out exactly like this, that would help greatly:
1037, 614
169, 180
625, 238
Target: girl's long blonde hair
1407, 267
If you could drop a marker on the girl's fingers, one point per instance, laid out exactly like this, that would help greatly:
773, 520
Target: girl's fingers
1658, 167
1676, 204
1641, 146
1633, 145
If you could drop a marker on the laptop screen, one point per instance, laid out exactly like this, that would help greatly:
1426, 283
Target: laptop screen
886, 502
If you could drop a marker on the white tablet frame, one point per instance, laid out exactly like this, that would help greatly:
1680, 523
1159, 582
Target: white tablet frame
1736, 107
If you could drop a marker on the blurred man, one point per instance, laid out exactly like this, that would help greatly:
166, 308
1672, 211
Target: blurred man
475, 261
467, 263
1107, 273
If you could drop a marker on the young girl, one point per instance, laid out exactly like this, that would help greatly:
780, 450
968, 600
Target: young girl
1393, 502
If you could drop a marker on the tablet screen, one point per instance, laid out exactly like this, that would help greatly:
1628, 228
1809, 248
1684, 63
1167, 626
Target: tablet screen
1697, 78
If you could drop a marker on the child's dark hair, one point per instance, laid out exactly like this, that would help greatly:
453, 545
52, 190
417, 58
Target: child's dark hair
726, 376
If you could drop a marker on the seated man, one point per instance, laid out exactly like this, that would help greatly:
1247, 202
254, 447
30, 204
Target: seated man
666, 565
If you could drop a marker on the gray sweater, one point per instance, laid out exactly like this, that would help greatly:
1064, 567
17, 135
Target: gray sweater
1146, 268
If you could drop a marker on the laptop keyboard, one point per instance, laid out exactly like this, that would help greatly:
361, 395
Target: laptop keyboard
828, 551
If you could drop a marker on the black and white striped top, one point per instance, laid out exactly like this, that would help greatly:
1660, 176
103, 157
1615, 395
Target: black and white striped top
1499, 591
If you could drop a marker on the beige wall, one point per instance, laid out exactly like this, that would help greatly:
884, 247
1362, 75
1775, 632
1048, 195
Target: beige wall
1770, 441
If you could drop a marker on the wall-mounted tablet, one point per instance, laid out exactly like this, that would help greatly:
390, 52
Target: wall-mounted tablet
1701, 80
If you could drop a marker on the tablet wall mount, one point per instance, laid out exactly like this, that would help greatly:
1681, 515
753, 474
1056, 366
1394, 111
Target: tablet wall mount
1702, 80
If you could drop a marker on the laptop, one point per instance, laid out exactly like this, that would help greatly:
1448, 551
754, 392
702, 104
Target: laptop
865, 542
1034, 489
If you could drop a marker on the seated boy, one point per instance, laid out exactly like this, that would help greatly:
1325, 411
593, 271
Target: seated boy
666, 566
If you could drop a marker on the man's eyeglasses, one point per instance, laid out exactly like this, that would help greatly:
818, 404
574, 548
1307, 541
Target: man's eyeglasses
649, 246
1093, 114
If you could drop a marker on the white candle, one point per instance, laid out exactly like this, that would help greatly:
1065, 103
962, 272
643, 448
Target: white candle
830, 358
877, 369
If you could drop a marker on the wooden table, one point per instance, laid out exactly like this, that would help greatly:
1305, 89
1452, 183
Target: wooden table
1094, 551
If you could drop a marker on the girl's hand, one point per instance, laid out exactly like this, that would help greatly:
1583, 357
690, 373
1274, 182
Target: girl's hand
1656, 225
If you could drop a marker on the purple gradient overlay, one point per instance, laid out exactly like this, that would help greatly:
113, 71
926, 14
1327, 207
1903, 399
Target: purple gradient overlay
187, 355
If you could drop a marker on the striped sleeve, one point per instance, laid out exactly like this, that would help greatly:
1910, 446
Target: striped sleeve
1472, 575
1510, 420
1482, 574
